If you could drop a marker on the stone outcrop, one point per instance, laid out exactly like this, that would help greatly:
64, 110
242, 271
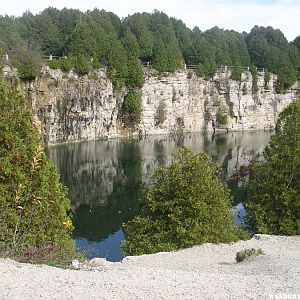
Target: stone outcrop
71, 108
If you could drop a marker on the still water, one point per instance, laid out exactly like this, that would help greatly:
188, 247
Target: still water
105, 179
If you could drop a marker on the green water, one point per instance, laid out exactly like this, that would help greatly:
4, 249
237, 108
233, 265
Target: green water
105, 179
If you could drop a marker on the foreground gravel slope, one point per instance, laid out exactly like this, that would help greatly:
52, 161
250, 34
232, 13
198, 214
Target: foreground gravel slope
203, 272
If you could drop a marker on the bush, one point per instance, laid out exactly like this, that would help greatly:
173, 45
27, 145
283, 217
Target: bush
236, 73
244, 90
81, 66
132, 106
273, 201
267, 77
54, 64
160, 116
28, 65
246, 253
253, 71
221, 117
135, 77
33, 207
185, 205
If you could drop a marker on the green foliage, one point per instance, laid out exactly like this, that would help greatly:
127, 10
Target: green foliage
221, 117
185, 205
34, 204
166, 42
135, 77
28, 65
132, 107
117, 64
273, 201
244, 90
54, 64
267, 77
64, 64
81, 66
268, 48
160, 115
189, 76
236, 73
253, 71
246, 253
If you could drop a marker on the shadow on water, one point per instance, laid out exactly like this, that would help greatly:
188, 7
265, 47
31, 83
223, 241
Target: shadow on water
105, 179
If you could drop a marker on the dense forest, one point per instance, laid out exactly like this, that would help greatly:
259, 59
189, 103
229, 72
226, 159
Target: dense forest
99, 38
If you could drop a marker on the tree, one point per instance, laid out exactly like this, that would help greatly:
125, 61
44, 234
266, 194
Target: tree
253, 72
273, 202
28, 64
34, 204
236, 73
185, 205
81, 66
132, 107
135, 77
268, 48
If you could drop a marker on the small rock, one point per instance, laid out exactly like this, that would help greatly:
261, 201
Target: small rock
75, 264
98, 262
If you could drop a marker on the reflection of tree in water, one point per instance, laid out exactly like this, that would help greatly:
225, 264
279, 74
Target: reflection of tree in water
105, 177
97, 222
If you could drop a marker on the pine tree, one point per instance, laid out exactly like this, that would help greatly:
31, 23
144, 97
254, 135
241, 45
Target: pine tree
34, 204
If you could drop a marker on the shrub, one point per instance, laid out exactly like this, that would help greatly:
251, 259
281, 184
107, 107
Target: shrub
236, 73
135, 77
81, 66
34, 204
160, 113
273, 201
246, 253
185, 205
244, 89
190, 74
132, 107
267, 77
221, 117
28, 65
66, 64
253, 71
54, 64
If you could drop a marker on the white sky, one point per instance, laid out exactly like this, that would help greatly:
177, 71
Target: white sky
240, 15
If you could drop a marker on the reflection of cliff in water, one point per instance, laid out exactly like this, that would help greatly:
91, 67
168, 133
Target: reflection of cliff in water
105, 177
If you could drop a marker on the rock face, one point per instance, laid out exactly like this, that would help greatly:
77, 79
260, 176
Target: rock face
192, 104
71, 108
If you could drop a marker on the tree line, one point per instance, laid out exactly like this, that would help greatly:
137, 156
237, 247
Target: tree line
165, 41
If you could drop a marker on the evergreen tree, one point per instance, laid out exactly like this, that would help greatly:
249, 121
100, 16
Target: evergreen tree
135, 77
186, 205
273, 201
34, 204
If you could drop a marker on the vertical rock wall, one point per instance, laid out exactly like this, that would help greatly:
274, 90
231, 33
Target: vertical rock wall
71, 108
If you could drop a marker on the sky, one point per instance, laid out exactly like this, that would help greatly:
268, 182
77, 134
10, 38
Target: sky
239, 15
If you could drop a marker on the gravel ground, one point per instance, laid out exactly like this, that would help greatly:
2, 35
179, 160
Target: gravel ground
207, 271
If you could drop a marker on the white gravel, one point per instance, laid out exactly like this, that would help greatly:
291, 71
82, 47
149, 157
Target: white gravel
207, 271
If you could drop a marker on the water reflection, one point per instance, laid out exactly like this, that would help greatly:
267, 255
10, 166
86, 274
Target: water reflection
105, 178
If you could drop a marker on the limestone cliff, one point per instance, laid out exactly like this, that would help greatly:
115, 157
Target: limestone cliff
71, 108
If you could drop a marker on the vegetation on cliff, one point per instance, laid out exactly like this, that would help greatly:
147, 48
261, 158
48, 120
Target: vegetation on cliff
273, 202
185, 205
165, 42
34, 223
